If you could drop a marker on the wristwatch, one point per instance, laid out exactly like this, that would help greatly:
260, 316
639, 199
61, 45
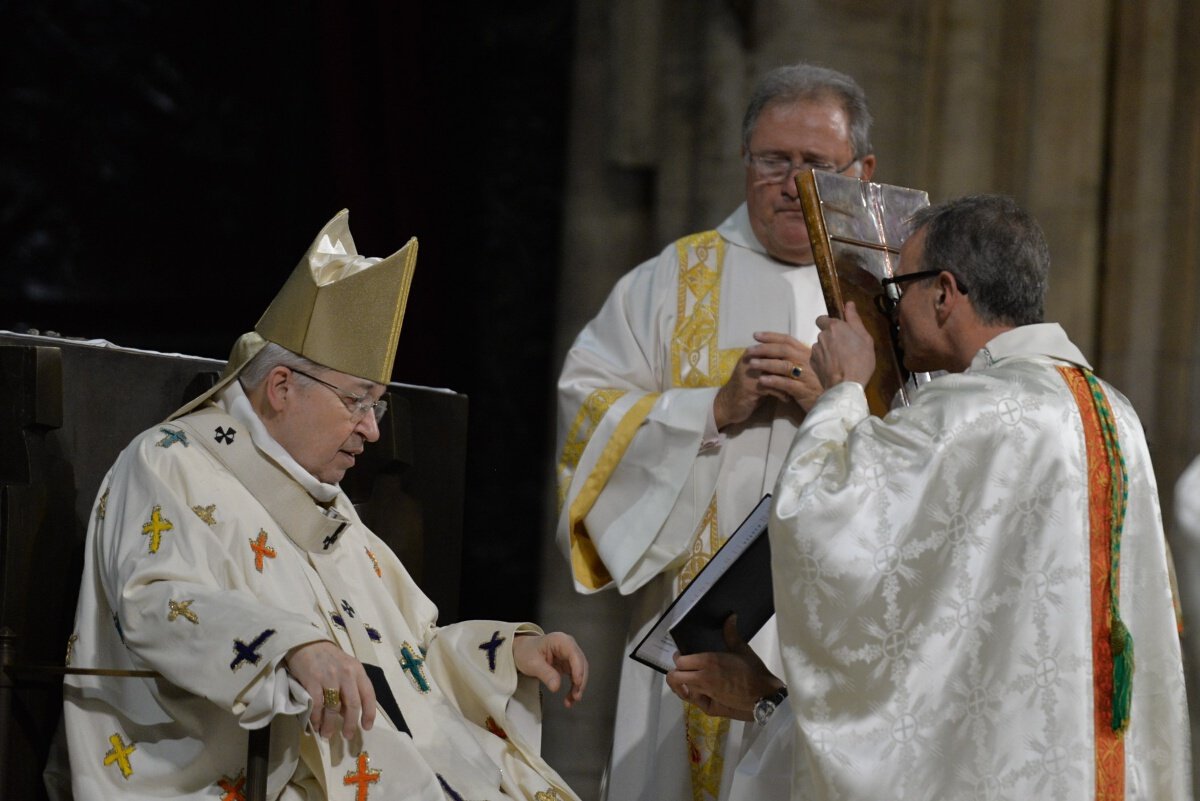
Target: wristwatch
765, 707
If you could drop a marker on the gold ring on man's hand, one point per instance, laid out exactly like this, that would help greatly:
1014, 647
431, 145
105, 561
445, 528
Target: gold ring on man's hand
797, 371
333, 698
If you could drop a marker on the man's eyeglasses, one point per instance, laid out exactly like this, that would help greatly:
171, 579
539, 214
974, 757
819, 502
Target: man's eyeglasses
889, 299
776, 169
358, 405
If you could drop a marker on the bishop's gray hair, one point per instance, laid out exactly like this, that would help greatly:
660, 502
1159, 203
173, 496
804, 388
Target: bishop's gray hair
255, 372
995, 249
809, 82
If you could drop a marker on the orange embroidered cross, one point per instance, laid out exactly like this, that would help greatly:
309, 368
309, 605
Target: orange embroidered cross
362, 777
374, 562
491, 725
155, 526
261, 549
233, 788
119, 753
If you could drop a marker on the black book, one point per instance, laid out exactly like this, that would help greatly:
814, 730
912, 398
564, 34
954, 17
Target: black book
736, 579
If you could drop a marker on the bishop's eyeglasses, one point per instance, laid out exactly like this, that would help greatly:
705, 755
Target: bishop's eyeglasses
357, 405
774, 169
889, 299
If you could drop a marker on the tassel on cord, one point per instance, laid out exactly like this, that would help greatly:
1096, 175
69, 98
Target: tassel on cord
1122, 650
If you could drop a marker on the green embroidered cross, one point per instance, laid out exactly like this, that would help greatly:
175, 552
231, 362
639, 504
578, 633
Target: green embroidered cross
412, 666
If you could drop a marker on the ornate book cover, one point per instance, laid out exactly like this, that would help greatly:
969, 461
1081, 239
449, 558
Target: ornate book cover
856, 228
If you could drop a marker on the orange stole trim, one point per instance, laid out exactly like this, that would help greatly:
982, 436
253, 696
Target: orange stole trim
1110, 745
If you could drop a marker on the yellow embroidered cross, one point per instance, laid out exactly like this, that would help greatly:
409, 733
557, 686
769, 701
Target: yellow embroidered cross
362, 777
180, 609
71, 648
261, 549
551, 794
205, 513
102, 507
119, 753
374, 562
155, 527
233, 788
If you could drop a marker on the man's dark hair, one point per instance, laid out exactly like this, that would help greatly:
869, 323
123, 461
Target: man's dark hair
815, 84
995, 249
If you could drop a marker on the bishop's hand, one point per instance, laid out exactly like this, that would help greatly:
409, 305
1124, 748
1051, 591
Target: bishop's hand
844, 350
330, 674
549, 657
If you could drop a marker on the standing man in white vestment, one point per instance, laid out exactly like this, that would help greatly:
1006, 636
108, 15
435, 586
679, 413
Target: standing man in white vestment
964, 586
223, 556
677, 404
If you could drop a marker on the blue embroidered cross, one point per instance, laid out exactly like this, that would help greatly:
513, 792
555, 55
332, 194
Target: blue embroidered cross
491, 646
249, 653
449, 790
373, 634
412, 666
347, 608
332, 538
225, 435
172, 436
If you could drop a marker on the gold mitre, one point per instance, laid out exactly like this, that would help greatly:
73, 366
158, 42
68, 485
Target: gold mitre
337, 308
341, 309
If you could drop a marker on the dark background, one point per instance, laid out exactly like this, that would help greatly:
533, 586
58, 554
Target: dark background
164, 166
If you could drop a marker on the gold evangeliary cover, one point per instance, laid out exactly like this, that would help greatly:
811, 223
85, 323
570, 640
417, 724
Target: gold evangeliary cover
856, 228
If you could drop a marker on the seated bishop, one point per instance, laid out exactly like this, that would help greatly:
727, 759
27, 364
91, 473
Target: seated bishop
224, 560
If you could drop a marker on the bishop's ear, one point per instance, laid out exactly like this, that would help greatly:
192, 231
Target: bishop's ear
277, 385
